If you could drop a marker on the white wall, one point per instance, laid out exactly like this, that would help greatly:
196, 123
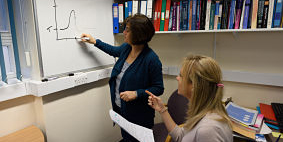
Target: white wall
258, 52
80, 114
77, 114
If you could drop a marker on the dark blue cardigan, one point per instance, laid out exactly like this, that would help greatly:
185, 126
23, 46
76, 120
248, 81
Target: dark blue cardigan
145, 73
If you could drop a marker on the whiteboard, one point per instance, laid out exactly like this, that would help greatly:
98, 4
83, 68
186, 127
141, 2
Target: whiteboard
58, 21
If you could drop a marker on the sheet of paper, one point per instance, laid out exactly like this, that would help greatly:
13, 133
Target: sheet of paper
140, 133
265, 129
276, 135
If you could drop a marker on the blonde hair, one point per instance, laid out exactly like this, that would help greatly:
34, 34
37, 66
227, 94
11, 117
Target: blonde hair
204, 74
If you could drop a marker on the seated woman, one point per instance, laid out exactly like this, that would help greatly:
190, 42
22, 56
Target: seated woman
199, 81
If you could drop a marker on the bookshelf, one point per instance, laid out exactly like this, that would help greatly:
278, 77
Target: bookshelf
239, 41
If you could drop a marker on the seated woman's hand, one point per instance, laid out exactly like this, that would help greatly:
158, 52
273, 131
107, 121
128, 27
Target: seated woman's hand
128, 95
155, 102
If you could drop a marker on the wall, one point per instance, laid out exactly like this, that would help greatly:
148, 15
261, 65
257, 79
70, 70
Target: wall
258, 52
80, 114
77, 114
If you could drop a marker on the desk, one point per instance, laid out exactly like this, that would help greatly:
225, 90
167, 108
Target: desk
270, 138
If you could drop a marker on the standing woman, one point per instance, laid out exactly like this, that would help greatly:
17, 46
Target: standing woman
137, 69
200, 81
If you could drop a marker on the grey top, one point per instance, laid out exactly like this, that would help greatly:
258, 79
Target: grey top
118, 80
207, 130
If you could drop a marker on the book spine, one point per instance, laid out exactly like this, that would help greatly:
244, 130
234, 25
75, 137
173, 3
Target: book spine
278, 12
254, 14
239, 6
181, 16
130, 8
174, 16
194, 10
242, 15
167, 15
247, 12
149, 9
198, 14
270, 14
203, 14
143, 5
208, 6
225, 13
217, 3
232, 15
260, 13
185, 15
212, 14
220, 16
178, 16
188, 14
135, 7
126, 10
162, 19
121, 17
191, 15
265, 14
170, 19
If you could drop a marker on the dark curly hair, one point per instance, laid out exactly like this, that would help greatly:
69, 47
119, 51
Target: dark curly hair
141, 28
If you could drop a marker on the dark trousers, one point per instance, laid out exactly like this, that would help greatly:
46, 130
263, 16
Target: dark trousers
126, 136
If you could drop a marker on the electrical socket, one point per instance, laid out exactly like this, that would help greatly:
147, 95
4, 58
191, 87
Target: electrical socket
80, 79
104, 73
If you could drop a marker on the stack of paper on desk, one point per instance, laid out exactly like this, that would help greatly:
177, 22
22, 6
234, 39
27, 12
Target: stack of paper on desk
140, 133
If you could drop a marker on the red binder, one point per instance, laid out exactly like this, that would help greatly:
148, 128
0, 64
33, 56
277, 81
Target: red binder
157, 14
167, 15
268, 113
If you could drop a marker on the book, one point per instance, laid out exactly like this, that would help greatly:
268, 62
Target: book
220, 16
270, 13
203, 14
143, 4
162, 18
149, 9
167, 15
241, 114
198, 14
130, 7
212, 14
217, 3
278, 14
115, 18
190, 15
260, 13
208, 6
135, 8
254, 14
225, 14
170, 19
185, 15
181, 16
242, 15
265, 14
174, 16
239, 6
247, 13
194, 15
121, 17
178, 16
268, 113
126, 10
231, 20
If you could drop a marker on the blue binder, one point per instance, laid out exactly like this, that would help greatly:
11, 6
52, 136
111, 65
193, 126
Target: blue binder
126, 10
115, 14
130, 7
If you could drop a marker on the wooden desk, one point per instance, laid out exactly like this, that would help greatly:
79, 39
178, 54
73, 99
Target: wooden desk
29, 134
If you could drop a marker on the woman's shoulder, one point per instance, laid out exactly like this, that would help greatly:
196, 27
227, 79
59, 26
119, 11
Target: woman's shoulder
214, 120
